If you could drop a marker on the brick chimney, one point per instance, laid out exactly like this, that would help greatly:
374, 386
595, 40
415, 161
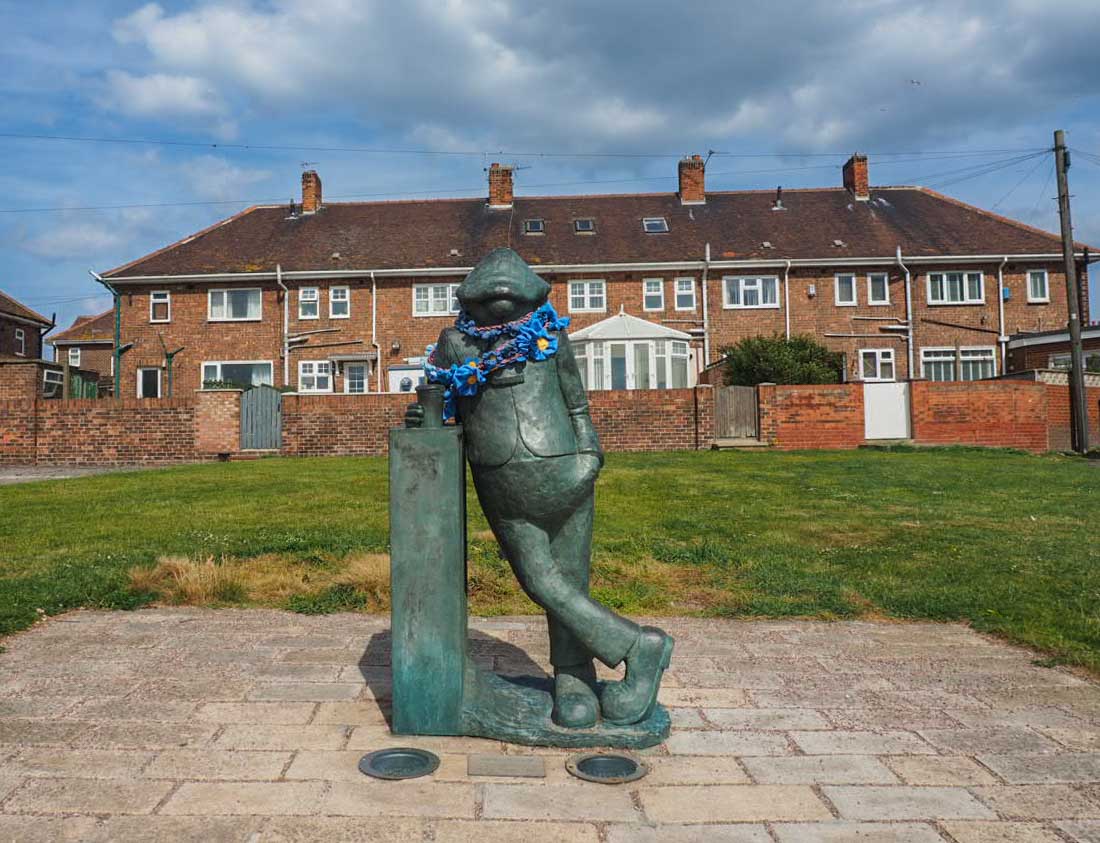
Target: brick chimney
500, 186
855, 177
311, 192
692, 181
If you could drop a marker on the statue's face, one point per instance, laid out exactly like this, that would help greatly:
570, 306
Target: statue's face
502, 288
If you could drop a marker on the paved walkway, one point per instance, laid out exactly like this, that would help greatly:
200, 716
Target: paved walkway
10, 474
247, 726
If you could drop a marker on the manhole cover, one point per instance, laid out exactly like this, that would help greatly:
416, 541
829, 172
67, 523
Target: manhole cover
606, 768
398, 763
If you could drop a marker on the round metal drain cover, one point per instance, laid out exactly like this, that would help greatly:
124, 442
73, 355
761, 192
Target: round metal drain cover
398, 763
606, 768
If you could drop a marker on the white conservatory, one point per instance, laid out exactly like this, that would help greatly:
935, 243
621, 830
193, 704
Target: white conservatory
625, 352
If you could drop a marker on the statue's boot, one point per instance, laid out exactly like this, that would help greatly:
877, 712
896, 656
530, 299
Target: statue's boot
633, 699
575, 703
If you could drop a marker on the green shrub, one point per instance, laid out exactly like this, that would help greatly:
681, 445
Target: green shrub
800, 359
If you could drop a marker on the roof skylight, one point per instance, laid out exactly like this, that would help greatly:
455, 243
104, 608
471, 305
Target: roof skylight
655, 225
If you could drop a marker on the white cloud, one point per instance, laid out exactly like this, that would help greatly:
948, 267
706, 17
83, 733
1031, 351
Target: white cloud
161, 95
214, 178
76, 238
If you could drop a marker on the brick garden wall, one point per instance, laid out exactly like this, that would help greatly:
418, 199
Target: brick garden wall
98, 432
654, 420
17, 432
1002, 413
340, 425
812, 416
1059, 437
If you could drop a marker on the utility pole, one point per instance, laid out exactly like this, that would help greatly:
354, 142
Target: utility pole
1078, 406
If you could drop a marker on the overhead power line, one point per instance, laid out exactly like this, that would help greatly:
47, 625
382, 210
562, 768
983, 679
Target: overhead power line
372, 150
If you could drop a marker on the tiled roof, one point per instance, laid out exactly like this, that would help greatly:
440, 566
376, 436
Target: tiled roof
88, 329
11, 307
816, 224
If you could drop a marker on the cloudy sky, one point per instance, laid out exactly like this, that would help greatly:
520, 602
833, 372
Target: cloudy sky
587, 96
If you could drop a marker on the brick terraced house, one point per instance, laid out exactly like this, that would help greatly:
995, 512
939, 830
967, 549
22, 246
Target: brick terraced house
21, 329
343, 297
89, 344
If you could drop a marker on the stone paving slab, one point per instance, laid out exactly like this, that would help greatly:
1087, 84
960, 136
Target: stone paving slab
247, 726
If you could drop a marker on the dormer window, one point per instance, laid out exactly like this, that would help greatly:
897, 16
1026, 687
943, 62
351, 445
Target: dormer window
534, 226
584, 225
655, 225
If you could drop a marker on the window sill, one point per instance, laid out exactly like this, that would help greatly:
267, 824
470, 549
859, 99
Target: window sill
878, 304
588, 310
846, 304
345, 316
435, 315
686, 309
160, 321
212, 319
1038, 301
750, 307
308, 318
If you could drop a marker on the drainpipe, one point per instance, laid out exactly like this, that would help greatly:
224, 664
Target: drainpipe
787, 297
706, 317
286, 323
1002, 340
116, 351
908, 313
374, 334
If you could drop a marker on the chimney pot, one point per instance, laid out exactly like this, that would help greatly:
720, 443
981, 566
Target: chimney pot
311, 192
500, 187
692, 172
856, 179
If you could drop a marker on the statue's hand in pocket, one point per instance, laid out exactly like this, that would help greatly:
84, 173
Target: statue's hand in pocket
414, 415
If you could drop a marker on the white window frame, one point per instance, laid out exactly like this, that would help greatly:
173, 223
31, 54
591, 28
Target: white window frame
758, 284
74, 356
530, 230
655, 225
52, 377
333, 300
660, 282
594, 362
20, 342
880, 355
210, 317
309, 295
453, 305
855, 289
956, 358
591, 221
1046, 285
676, 293
160, 381
167, 299
966, 300
871, 300
314, 374
220, 363
366, 378
588, 295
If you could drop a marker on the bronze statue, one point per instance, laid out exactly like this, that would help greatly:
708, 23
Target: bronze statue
511, 381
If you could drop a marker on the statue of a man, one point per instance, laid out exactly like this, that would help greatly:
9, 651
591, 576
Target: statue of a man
513, 383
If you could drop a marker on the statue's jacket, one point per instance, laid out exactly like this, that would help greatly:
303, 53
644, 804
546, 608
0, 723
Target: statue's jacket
536, 409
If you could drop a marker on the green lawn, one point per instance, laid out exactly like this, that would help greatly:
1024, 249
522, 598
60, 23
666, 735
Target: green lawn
1007, 541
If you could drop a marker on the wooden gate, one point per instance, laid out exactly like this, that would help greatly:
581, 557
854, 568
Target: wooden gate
261, 419
735, 412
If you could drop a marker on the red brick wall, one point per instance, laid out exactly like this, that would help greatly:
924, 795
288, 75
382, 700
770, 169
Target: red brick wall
651, 420
340, 425
1058, 415
1007, 414
107, 432
812, 416
19, 381
16, 432
31, 337
218, 422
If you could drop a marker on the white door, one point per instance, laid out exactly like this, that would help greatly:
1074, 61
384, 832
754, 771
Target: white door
405, 378
886, 410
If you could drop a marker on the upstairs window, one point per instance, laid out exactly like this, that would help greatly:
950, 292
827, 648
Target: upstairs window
1038, 287
74, 357
339, 303
308, 301
653, 294
435, 299
655, 225
846, 290
534, 227
685, 294
587, 296
878, 288
234, 305
314, 376
584, 225
750, 291
956, 288
160, 306
20, 342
